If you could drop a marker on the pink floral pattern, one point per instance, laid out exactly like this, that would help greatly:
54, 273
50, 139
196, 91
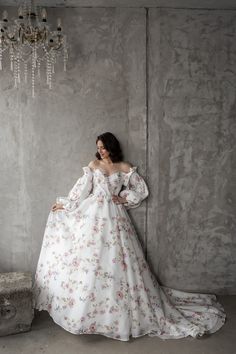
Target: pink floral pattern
92, 276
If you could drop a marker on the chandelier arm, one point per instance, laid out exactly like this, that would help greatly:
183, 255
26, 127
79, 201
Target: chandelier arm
11, 39
58, 47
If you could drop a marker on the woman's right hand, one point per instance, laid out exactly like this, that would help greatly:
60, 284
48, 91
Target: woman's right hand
57, 206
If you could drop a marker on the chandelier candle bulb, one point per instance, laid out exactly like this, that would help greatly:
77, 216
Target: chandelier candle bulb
4, 16
20, 13
44, 15
59, 28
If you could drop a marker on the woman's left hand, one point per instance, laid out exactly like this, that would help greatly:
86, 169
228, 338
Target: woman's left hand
118, 200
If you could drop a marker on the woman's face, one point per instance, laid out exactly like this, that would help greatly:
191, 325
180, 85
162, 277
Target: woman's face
101, 150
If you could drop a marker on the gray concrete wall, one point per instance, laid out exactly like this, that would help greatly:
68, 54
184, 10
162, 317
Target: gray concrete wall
192, 166
174, 116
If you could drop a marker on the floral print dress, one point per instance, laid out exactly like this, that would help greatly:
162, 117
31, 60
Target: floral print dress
92, 276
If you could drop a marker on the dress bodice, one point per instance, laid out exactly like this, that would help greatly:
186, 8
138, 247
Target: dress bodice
111, 184
96, 182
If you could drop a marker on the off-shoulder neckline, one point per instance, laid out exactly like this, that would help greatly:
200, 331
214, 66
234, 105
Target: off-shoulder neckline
132, 169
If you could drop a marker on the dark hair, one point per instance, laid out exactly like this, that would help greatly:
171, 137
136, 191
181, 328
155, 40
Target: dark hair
112, 145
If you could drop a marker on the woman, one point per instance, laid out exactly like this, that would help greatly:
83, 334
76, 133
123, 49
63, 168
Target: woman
92, 276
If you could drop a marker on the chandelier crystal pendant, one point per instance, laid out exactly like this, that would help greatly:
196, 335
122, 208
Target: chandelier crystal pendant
29, 41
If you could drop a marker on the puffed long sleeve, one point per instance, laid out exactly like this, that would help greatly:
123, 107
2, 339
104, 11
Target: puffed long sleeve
135, 190
79, 191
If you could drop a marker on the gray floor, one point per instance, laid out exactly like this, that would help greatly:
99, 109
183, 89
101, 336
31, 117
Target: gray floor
48, 338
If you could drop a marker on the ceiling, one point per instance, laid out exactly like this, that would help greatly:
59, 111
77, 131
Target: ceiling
197, 4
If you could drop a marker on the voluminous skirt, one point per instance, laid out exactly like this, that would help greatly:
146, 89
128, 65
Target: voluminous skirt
92, 277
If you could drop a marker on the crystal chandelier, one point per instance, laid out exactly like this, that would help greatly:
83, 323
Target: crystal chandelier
28, 41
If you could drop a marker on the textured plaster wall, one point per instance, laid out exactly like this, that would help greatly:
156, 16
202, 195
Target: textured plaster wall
192, 165
164, 84
45, 142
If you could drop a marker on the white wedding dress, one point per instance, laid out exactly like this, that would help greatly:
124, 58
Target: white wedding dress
92, 276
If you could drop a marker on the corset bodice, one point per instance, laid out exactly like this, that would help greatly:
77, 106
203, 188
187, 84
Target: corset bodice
107, 184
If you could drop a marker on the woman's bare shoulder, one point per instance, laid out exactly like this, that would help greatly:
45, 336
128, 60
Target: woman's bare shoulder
93, 164
125, 166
